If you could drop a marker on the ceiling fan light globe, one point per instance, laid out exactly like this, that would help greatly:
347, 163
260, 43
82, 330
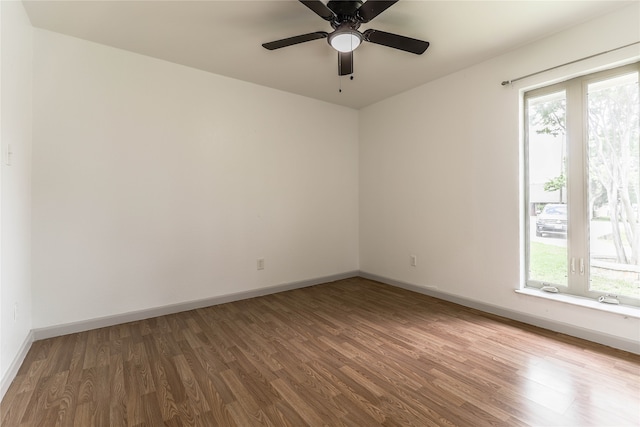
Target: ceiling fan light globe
346, 41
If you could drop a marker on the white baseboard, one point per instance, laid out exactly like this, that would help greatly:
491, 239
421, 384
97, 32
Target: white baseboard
11, 373
102, 322
574, 331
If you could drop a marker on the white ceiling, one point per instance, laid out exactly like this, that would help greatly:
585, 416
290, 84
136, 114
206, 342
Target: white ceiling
225, 37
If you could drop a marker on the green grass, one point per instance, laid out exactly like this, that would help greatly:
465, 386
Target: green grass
615, 286
548, 263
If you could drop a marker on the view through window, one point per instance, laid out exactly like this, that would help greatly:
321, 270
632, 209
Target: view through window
582, 166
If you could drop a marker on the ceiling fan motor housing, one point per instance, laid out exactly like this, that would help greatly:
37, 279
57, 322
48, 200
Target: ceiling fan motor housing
345, 10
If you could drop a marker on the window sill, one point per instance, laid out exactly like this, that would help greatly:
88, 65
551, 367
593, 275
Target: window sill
624, 310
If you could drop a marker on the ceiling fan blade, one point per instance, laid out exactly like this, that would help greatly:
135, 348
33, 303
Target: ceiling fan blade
295, 40
320, 9
396, 41
345, 63
372, 8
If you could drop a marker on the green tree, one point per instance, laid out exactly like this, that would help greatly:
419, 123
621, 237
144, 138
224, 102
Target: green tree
613, 150
549, 119
556, 184
614, 134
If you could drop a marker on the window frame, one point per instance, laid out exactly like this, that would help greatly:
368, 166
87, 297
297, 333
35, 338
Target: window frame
577, 173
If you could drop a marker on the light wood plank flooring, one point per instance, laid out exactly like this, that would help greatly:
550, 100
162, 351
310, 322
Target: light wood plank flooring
352, 352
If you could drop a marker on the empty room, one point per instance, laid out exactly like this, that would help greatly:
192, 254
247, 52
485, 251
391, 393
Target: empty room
289, 213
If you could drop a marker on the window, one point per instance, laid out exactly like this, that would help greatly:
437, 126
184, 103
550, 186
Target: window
582, 162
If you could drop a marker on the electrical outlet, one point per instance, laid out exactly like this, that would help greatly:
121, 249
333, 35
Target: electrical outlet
260, 264
413, 260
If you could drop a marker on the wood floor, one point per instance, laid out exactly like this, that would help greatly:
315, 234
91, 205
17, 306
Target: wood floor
352, 352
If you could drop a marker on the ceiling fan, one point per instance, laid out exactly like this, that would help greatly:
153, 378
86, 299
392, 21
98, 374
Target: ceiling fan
345, 17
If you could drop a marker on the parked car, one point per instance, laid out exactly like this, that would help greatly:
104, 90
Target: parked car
552, 220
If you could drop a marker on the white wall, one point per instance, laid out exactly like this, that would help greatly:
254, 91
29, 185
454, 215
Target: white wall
15, 200
156, 184
439, 177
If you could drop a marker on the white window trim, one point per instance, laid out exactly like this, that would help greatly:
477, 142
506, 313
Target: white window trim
530, 287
